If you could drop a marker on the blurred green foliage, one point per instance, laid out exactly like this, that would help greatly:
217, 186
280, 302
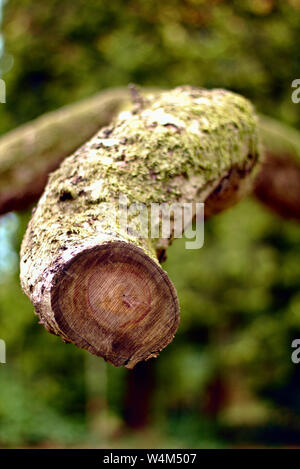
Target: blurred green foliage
228, 376
63, 51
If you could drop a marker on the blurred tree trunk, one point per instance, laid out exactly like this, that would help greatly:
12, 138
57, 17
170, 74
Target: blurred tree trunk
278, 182
30, 152
140, 387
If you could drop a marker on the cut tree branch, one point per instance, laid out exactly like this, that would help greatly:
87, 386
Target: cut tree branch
95, 282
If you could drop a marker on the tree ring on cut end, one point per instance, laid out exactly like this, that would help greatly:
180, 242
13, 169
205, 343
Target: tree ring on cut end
117, 302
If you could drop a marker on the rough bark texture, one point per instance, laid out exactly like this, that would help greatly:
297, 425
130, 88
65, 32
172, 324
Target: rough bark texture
100, 286
30, 152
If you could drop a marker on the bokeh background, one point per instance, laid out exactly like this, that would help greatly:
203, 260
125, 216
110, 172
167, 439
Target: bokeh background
227, 380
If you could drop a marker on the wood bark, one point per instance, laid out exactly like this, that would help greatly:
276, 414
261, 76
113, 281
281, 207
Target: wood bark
29, 153
99, 285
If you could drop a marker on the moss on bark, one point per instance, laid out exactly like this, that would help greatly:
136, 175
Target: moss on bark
178, 146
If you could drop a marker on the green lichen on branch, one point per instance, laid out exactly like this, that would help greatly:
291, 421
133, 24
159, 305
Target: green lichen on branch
182, 132
147, 154
30, 152
177, 146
